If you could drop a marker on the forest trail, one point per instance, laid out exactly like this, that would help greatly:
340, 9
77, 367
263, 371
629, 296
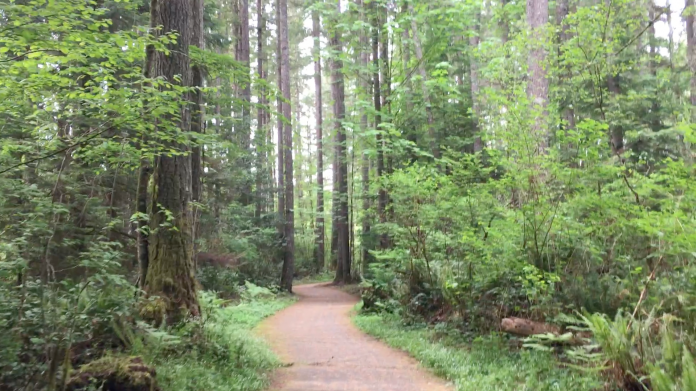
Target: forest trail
324, 351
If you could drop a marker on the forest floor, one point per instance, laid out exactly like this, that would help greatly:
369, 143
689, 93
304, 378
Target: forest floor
323, 351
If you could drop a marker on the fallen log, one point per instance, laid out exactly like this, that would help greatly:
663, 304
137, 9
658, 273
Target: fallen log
114, 374
527, 328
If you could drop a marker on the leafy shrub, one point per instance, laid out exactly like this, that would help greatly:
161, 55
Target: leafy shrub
219, 350
48, 326
223, 280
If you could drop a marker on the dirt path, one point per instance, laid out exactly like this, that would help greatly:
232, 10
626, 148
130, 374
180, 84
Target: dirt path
324, 351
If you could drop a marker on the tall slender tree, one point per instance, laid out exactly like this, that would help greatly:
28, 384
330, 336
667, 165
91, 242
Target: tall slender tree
474, 41
377, 103
318, 114
197, 121
381, 137
434, 143
343, 268
260, 134
144, 172
538, 83
289, 253
690, 12
280, 167
243, 56
170, 274
562, 10
364, 91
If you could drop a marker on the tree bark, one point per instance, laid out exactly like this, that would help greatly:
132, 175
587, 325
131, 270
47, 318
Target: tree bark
141, 208
568, 113
144, 173
318, 107
474, 41
616, 131
198, 40
691, 49
538, 84
382, 137
343, 269
260, 134
197, 123
245, 97
364, 91
378, 65
289, 259
280, 143
434, 142
170, 274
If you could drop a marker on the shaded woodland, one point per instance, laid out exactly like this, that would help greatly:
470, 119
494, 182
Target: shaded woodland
525, 167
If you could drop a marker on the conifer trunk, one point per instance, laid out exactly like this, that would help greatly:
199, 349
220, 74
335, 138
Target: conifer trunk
691, 48
319, 246
260, 134
434, 144
170, 274
280, 142
289, 258
538, 83
343, 268
365, 88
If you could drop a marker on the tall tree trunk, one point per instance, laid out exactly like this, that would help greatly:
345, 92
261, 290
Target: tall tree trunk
335, 196
538, 84
406, 59
568, 113
280, 143
616, 135
382, 136
260, 134
378, 64
318, 107
474, 41
343, 269
691, 48
141, 208
197, 124
652, 65
144, 172
171, 274
434, 142
364, 92
616, 131
289, 259
245, 97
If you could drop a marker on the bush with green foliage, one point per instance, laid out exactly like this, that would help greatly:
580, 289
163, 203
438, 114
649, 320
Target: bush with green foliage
218, 351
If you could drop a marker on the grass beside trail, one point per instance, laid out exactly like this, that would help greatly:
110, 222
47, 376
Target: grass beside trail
315, 278
229, 358
484, 365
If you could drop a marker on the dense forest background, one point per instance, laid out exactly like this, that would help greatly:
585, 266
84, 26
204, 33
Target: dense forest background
469, 162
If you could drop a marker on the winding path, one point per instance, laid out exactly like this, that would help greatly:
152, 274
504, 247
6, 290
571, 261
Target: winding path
323, 351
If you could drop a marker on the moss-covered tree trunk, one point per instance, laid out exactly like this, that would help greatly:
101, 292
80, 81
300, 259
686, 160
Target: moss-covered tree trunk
171, 274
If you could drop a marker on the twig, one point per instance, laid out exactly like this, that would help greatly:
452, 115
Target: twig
631, 188
644, 292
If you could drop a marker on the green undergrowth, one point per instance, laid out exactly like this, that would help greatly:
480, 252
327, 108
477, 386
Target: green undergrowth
315, 278
486, 364
220, 353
